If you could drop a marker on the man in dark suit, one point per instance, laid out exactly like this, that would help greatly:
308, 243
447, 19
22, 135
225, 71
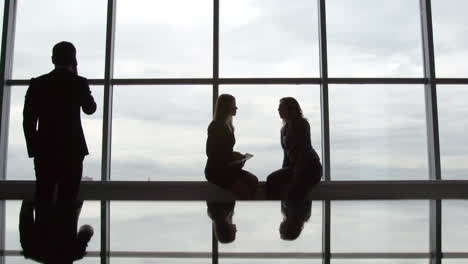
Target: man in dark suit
52, 126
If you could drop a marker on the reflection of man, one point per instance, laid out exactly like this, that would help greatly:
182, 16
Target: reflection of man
48, 232
52, 125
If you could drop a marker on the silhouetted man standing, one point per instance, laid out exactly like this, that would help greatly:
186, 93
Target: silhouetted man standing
52, 126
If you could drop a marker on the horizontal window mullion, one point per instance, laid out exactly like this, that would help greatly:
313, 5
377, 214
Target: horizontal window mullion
263, 81
381, 255
201, 191
377, 80
266, 255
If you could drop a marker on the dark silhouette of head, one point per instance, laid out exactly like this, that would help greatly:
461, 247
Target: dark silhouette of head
290, 109
64, 54
224, 107
226, 233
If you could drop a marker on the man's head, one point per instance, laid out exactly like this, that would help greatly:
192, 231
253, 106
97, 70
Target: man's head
64, 54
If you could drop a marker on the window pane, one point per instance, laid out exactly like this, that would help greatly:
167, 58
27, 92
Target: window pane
90, 215
378, 132
369, 38
257, 123
160, 227
2, 6
20, 167
18, 260
22, 260
92, 128
89, 260
12, 209
268, 38
159, 132
379, 226
161, 39
452, 128
258, 230
159, 260
450, 42
454, 261
269, 261
454, 225
36, 37
379, 261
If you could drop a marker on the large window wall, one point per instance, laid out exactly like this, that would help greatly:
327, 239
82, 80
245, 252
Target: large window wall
382, 83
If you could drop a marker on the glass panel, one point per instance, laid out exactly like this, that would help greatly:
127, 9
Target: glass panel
12, 209
380, 226
378, 132
452, 128
454, 225
159, 132
379, 261
90, 215
160, 227
20, 167
454, 261
36, 37
257, 226
372, 38
89, 260
450, 44
92, 127
268, 261
161, 39
19, 260
259, 105
22, 260
159, 260
2, 6
268, 39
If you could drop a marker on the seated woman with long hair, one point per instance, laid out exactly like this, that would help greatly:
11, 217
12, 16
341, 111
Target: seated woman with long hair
301, 170
223, 170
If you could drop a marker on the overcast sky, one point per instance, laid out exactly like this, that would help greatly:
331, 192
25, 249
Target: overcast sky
159, 132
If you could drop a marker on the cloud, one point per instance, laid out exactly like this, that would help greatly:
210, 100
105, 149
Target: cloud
35, 37
276, 41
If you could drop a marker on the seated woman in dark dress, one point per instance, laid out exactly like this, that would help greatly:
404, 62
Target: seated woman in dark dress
300, 172
222, 170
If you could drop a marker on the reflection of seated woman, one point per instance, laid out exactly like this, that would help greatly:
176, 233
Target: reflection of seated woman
301, 170
222, 170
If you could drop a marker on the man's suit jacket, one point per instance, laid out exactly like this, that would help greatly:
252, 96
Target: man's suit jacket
51, 115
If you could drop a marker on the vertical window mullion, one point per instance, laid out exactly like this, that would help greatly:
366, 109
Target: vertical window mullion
326, 210
215, 51
107, 128
6, 63
432, 126
214, 241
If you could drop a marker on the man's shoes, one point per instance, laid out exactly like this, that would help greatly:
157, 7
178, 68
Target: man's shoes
85, 233
82, 239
